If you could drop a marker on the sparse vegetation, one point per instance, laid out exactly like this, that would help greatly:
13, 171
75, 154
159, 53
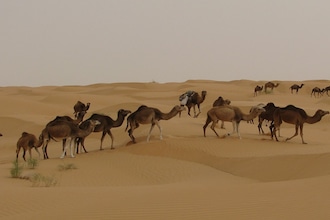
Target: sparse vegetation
69, 166
32, 163
16, 170
41, 180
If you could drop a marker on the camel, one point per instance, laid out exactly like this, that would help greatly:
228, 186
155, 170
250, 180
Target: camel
79, 107
149, 115
106, 123
297, 116
257, 89
318, 91
195, 99
27, 141
326, 89
296, 87
267, 115
79, 118
65, 130
232, 114
271, 85
220, 102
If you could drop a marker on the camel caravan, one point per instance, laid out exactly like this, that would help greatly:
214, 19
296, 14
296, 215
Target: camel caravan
73, 131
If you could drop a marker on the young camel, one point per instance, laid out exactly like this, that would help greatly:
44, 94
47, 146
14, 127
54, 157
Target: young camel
106, 123
80, 107
297, 116
27, 141
271, 85
296, 87
257, 89
232, 114
149, 115
194, 100
65, 130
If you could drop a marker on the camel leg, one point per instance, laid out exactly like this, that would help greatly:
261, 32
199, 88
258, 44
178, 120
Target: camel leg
208, 120
160, 131
17, 152
237, 130
37, 152
30, 153
72, 142
199, 111
67, 144
295, 134
152, 126
130, 134
102, 137
24, 154
111, 136
213, 126
301, 134
195, 116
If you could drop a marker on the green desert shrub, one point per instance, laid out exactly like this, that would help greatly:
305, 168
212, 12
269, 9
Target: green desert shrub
16, 170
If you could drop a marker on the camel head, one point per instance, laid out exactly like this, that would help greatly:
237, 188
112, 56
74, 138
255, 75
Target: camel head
321, 112
204, 94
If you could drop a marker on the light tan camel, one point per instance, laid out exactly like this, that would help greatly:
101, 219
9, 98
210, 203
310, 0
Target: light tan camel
79, 107
296, 87
27, 141
59, 130
297, 116
149, 115
318, 91
257, 89
194, 100
106, 123
232, 114
271, 85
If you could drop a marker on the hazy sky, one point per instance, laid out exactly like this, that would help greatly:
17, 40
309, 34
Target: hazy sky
80, 42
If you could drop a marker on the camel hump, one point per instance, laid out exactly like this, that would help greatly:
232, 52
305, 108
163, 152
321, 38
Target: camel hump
141, 107
24, 133
188, 93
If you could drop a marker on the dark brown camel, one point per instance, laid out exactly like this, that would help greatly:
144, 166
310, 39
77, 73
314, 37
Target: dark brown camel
296, 87
106, 123
267, 115
232, 114
257, 89
297, 116
27, 141
318, 91
271, 85
194, 100
326, 89
80, 107
149, 115
59, 130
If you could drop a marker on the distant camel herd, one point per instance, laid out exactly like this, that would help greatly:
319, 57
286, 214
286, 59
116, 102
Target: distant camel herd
73, 131
294, 87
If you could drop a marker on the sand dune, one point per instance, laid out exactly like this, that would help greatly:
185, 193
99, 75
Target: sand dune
183, 176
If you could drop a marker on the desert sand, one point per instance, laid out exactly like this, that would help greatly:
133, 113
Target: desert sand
183, 176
